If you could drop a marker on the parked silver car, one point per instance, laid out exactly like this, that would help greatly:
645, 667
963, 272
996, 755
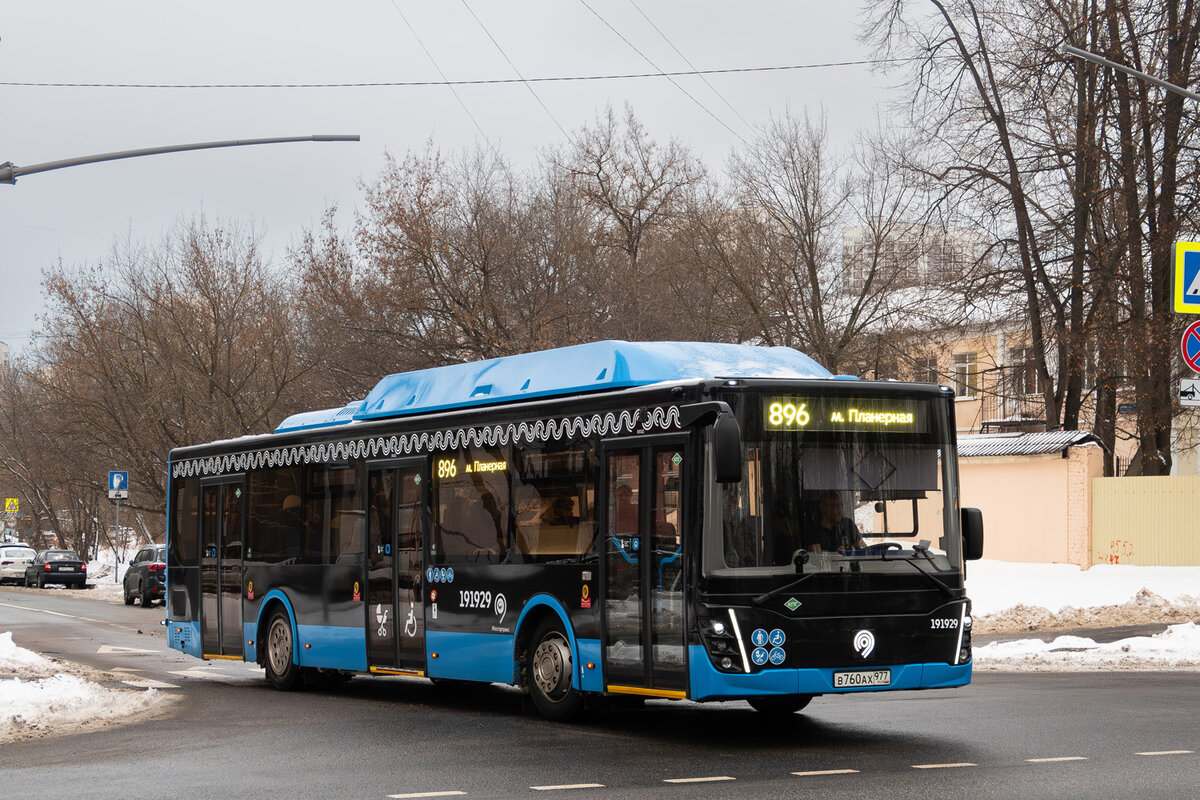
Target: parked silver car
13, 560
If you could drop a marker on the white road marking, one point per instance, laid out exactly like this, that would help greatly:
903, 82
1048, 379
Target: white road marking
1057, 758
109, 649
54, 613
944, 766
150, 683
699, 780
1166, 752
212, 674
427, 794
826, 772
568, 786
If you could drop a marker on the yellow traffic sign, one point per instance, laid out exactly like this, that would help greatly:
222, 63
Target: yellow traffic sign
11, 504
1187, 277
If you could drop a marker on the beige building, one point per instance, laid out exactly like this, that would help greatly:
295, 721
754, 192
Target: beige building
1035, 491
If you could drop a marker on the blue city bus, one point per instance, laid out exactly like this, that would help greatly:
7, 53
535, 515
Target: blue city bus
611, 520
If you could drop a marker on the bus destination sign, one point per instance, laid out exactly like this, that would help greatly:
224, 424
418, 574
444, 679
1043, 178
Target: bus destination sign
843, 414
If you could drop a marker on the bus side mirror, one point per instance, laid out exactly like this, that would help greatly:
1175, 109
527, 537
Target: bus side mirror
727, 449
726, 436
972, 533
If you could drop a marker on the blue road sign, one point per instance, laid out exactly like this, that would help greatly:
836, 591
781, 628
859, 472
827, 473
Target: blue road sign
1187, 277
118, 485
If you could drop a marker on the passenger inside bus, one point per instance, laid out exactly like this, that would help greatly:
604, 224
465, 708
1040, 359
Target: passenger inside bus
471, 528
626, 516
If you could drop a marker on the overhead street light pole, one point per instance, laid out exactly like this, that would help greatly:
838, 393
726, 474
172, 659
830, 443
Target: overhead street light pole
9, 172
1067, 49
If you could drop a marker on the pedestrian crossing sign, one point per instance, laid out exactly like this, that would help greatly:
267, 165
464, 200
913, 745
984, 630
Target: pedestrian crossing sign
12, 504
1187, 277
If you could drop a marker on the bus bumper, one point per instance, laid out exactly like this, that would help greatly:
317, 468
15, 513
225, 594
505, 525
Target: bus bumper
707, 683
184, 636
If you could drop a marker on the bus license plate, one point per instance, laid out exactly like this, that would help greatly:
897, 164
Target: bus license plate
865, 677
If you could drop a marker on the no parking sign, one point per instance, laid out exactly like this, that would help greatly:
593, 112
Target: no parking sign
1190, 345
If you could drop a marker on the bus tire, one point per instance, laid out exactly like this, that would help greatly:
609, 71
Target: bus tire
780, 705
279, 657
549, 668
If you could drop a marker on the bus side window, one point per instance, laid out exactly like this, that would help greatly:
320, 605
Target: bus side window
472, 494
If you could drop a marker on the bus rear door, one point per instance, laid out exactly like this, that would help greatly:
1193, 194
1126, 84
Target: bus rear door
644, 652
395, 536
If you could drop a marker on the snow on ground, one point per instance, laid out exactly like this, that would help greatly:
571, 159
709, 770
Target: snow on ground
1008, 598
39, 695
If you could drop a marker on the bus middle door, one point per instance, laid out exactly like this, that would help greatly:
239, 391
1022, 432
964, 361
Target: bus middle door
644, 647
395, 536
222, 524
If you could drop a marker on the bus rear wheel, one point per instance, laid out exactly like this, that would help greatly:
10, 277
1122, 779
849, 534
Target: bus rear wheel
780, 705
549, 670
282, 670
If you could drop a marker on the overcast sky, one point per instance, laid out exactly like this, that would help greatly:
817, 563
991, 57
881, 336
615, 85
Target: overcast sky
75, 214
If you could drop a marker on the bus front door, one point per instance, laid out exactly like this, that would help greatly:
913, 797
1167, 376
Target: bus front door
395, 536
222, 523
644, 647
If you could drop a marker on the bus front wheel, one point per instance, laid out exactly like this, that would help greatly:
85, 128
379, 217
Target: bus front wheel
780, 704
550, 670
282, 670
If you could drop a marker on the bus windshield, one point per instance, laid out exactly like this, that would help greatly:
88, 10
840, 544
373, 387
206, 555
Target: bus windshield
836, 483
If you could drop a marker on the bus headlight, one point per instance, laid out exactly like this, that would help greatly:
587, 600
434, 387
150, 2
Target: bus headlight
720, 643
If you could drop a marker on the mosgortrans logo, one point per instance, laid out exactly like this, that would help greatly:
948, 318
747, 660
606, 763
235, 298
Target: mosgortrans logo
864, 643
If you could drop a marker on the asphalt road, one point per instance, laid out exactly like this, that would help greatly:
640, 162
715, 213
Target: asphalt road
1084, 735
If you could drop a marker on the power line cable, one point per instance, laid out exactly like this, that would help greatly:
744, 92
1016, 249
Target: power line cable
467, 82
692, 66
674, 83
526, 83
444, 81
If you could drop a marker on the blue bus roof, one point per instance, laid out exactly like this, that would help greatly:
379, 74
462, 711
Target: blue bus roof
564, 371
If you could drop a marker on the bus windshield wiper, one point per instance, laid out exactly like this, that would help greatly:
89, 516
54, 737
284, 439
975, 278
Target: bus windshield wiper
949, 592
762, 598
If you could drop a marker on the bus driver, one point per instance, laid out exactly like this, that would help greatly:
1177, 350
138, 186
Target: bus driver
833, 532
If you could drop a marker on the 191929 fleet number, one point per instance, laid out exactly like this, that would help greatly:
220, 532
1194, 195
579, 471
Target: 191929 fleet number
473, 599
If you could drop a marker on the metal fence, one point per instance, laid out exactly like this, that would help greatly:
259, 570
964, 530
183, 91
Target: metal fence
1149, 521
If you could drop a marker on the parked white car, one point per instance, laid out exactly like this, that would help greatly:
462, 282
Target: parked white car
13, 560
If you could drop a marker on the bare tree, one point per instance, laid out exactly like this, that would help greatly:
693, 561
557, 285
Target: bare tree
57, 483
168, 346
636, 191
797, 199
1080, 171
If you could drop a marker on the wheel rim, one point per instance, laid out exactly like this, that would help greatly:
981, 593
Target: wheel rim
552, 666
279, 646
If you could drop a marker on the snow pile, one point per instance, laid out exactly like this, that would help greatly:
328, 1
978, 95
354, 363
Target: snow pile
998, 586
1176, 648
1044, 598
38, 696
